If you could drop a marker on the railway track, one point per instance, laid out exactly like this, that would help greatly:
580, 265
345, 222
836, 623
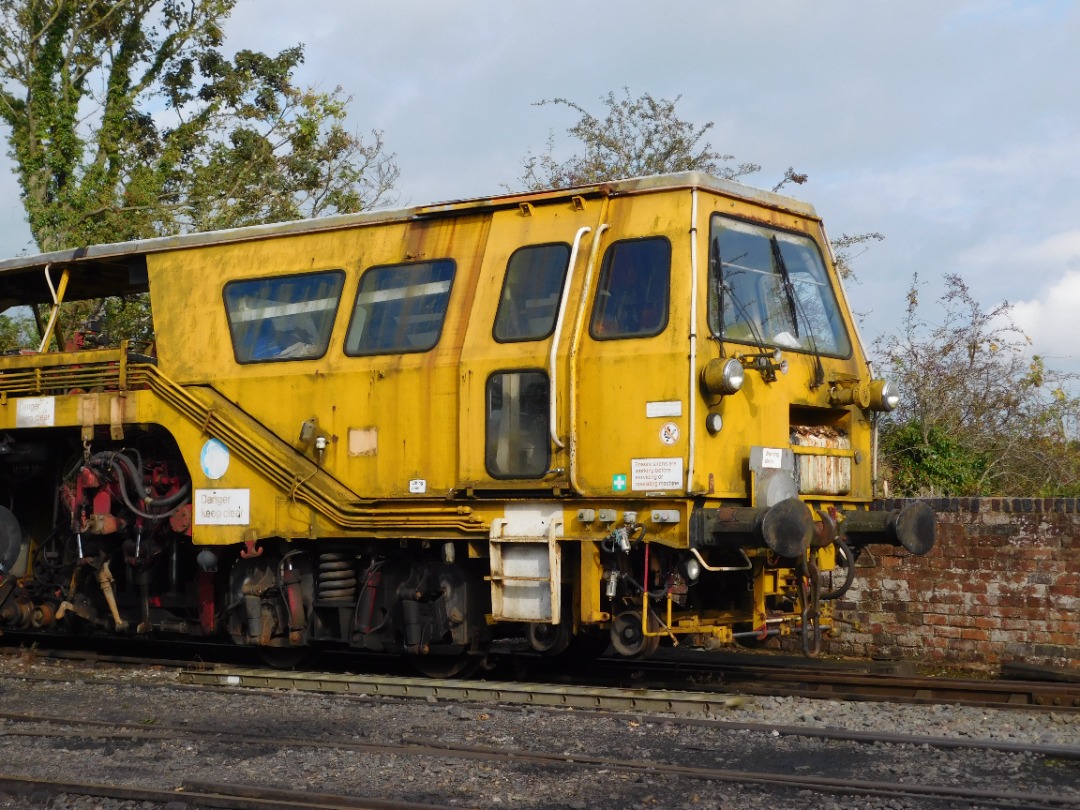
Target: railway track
196, 793
392, 721
695, 700
756, 674
843, 683
207, 794
682, 684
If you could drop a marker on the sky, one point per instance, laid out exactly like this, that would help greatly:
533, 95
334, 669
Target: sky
952, 128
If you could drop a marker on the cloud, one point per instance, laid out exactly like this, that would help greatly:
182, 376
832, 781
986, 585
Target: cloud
1050, 317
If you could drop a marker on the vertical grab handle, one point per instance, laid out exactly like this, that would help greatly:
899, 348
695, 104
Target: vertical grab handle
553, 387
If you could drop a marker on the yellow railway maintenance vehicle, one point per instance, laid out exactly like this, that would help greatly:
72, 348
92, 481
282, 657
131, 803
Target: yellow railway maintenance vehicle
627, 412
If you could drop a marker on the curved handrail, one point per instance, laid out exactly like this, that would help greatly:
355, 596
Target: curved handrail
574, 343
553, 387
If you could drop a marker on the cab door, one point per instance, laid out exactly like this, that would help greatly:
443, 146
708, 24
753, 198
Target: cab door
631, 373
514, 376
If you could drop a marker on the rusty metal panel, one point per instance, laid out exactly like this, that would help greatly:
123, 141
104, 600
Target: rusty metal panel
823, 474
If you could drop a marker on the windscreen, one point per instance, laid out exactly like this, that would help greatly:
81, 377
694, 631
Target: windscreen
770, 288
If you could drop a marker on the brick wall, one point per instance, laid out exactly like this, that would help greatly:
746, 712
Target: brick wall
1001, 585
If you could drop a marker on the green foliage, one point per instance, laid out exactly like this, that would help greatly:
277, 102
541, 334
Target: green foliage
125, 121
979, 415
929, 461
16, 331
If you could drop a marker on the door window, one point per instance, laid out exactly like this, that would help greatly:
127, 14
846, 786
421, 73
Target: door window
531, 292
632, 295
516, 442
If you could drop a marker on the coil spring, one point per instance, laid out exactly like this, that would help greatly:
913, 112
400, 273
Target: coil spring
337, 577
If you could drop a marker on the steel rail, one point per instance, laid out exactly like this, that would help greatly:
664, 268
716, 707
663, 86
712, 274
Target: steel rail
212, 794
911, 689
673, 680
412, 746
800, 782
137, 730
842, 682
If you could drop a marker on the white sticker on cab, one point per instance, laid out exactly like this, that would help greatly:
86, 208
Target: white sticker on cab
222, 507
666, 408
772, 458
654, 474
35, 412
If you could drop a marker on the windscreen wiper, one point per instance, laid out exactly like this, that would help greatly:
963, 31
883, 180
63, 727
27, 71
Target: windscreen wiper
795, 304
764, 360
724, 290
789, 289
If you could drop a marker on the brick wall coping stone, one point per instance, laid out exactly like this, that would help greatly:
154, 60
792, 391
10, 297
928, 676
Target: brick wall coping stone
975, 506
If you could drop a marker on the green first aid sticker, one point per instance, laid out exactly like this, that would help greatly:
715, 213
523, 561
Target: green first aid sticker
618, 483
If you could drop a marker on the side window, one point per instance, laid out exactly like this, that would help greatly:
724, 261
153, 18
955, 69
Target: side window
516, 443
632, 295
400, 308
531, 291
282, 318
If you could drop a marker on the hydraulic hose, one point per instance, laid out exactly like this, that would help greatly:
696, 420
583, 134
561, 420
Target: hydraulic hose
123, 484
842, 550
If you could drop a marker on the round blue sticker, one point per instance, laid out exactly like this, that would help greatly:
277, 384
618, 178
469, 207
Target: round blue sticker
214, 459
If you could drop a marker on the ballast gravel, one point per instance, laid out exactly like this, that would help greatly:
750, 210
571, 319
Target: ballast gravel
271, 726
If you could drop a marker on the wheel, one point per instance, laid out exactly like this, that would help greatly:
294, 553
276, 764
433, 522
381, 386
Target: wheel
549, 639
283, 657
628, 639
461, 665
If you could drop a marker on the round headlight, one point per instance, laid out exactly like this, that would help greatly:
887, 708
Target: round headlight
721, 377
884, 395
692, 568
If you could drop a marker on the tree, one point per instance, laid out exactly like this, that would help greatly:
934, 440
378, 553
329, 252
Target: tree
978, 414
643, 136
126, 121
635, 137
844, 250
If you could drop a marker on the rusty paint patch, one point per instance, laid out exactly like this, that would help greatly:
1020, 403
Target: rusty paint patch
363, 441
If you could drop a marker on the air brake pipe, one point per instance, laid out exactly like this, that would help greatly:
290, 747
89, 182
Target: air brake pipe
715, 568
